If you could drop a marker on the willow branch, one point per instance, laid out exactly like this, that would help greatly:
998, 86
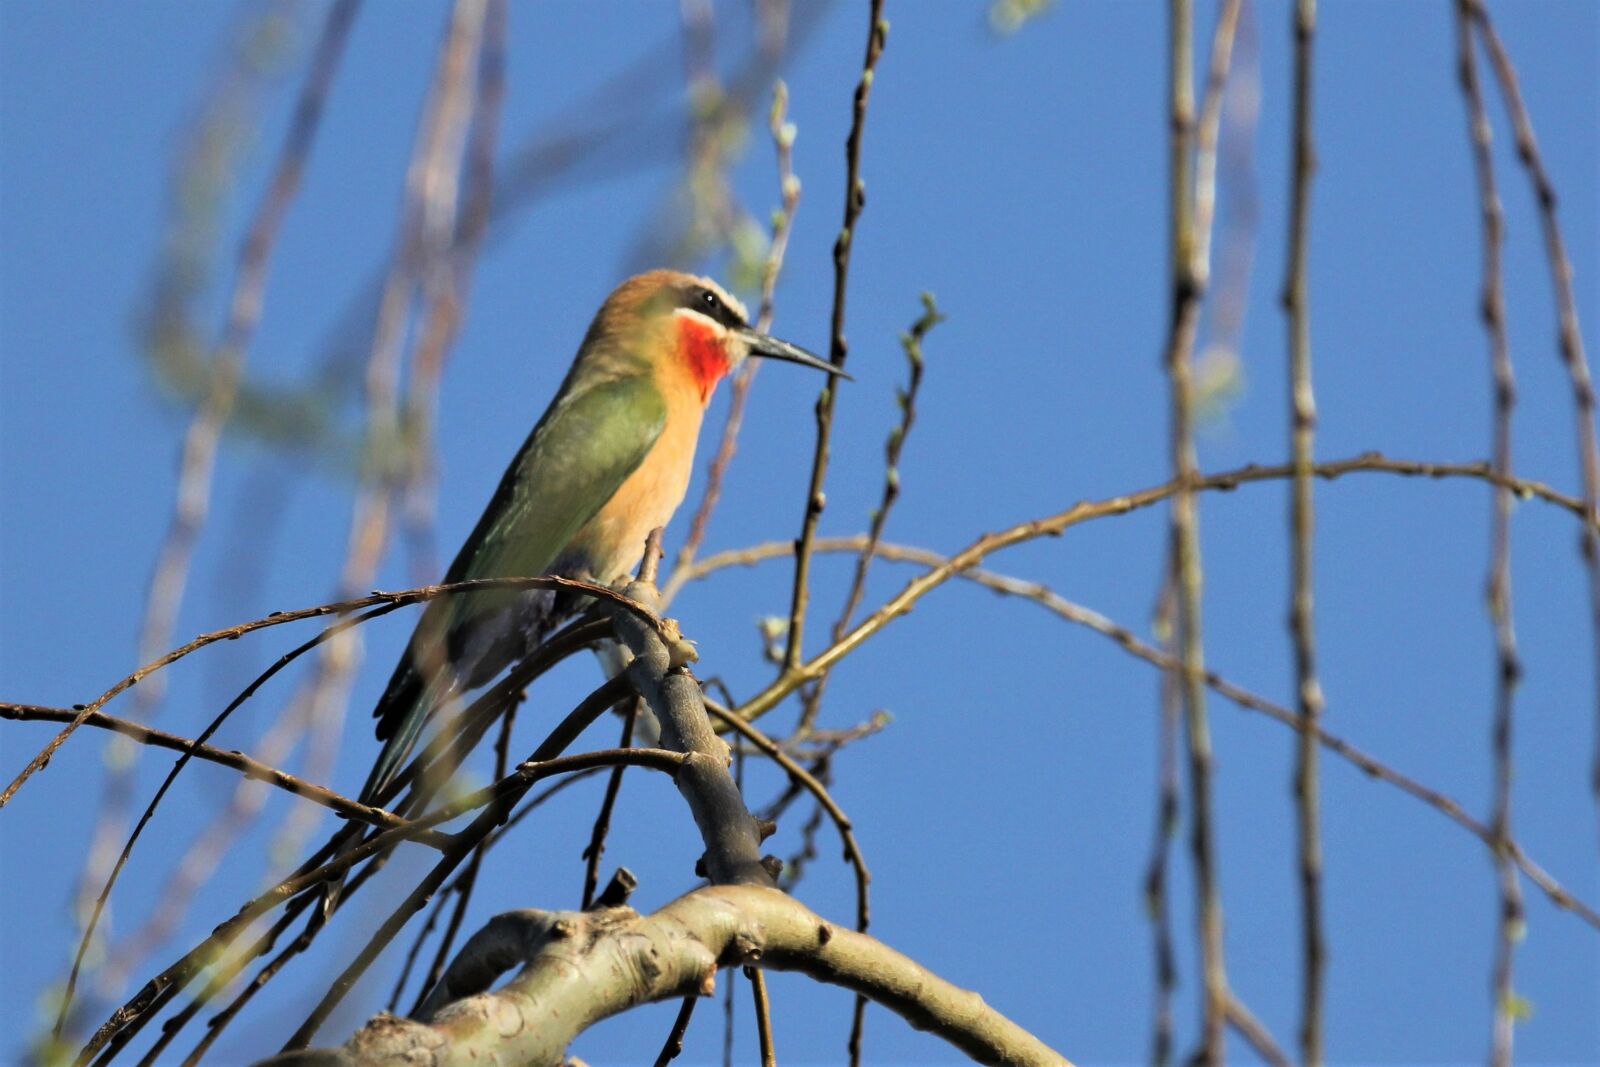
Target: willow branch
783, 134
1569, 334
197, 462
1491, 306
1084, 511
1190, 225
855, 198
1302, 527
199, 450
135, 1012
233, 759
1244, 698
911, 342
342, 607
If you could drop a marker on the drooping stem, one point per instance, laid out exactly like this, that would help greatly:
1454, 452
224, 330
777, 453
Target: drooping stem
1302, 526
855, 198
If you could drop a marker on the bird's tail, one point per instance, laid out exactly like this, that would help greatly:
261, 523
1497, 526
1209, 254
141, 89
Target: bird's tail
402, 712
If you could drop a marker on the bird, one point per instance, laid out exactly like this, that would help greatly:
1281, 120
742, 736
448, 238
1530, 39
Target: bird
607, 463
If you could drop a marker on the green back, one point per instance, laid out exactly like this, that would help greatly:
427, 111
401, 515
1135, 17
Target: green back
583, 449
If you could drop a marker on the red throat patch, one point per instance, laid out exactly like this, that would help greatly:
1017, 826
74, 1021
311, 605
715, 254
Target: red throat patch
700, 349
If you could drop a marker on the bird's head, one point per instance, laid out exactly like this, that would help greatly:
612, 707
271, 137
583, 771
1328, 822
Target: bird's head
690, 328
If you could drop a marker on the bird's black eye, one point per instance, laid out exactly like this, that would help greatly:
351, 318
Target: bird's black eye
707, 302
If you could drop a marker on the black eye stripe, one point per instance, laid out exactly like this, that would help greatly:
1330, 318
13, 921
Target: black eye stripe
707, 303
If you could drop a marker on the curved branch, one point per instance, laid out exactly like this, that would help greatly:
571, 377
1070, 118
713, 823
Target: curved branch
232, 758
343, 607
1053, 525
1055, 603
581, 967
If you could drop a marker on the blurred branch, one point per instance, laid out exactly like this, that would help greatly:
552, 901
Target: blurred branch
783, 134
1302, 528
1508, 670
1570, 335
1192, 169
446, 282
197, 462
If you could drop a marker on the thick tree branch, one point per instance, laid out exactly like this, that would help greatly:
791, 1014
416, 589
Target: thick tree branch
581, 967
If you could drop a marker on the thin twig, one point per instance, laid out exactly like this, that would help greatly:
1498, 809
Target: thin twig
602, 820
86, 937
673, 1046
1189, 241
1247, 1026
126, 1021
1570, 335
855, 198
758, 991
467, 880
783, 134
1302, 527
1491, 307
1052, 525
252, 769
1133, 644
398, 599
493, 814
911, 342
455, 885
1157, 905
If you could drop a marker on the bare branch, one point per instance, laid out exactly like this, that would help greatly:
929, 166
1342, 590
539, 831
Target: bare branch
342, 607
1302, 526
783, 134
581, 967
1570, 335
1053, 525
1132, 643
855, 198
231, 758
1508, 671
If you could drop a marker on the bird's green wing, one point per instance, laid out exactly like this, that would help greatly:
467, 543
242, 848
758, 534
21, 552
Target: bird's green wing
588, 442
574, 461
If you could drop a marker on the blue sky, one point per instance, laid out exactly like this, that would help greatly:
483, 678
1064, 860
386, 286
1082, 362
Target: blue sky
1007, 811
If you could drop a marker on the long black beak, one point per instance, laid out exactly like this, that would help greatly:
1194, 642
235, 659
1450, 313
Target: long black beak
761, 344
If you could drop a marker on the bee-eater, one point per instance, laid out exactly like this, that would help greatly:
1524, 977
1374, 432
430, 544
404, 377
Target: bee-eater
608, 462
